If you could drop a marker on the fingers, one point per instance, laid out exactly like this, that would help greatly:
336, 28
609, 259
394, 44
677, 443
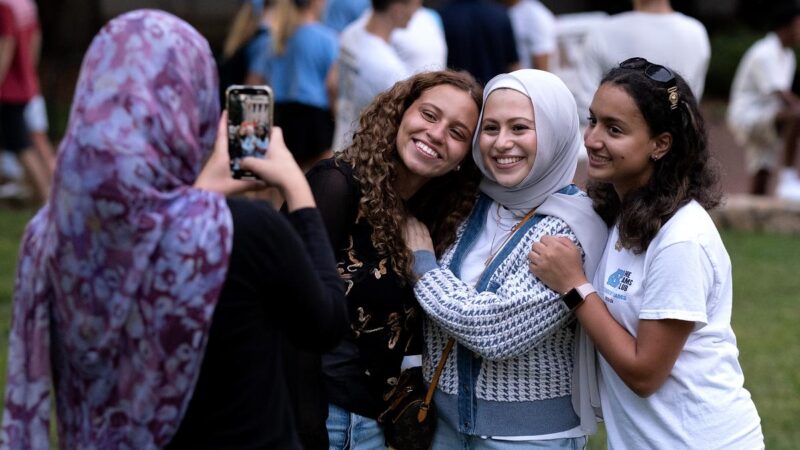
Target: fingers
277, 146
222, 126
252, 164
416, 235
275, 140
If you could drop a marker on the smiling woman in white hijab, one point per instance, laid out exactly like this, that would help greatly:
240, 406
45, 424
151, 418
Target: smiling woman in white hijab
509, 381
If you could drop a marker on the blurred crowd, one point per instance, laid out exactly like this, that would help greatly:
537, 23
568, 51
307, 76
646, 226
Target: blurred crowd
326, 60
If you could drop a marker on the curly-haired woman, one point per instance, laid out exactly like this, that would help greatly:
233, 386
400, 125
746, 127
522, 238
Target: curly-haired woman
407, 157
660, 316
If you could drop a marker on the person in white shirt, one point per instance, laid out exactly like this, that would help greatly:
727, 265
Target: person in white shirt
652, 30
535, 32
367, 63
421, 44
763, 112
659, 307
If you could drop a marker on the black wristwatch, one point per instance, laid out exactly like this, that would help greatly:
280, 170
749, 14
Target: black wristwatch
575, 296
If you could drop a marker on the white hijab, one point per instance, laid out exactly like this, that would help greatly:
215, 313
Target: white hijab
558, 145
558, 139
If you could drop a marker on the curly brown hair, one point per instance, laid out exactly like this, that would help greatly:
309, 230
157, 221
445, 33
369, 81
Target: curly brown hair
686, 172
441, 204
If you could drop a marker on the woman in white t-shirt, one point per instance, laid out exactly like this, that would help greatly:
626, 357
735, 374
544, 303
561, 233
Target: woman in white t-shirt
660, 316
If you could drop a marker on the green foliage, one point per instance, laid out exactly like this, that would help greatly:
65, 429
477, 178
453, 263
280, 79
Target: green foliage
765, 319
727, 48
10, 235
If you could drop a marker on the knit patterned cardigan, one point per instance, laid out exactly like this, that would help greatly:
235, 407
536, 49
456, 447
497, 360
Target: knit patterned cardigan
519, 328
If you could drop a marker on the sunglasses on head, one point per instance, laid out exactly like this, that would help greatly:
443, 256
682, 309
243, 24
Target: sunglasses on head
655, 72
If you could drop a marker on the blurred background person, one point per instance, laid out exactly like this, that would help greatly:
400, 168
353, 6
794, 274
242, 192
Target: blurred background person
247, 39
296, 65
763, 112
38, 127
421, 44
367, 63
652, 30
534, 31
20, 43
480, 38
12, 174
339, 14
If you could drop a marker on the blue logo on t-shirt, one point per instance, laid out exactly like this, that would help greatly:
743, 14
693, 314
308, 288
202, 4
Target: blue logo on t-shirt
621, 280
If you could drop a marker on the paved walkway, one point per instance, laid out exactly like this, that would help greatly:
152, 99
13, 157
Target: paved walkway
730, 156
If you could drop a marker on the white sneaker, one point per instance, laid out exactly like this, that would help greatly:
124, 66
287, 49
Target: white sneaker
788, 185
10, 168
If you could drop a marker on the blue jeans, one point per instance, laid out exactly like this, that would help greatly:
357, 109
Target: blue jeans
349, 431
447, 437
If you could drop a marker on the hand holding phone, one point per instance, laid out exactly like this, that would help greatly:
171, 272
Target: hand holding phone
280, 169
216, 173
250, 111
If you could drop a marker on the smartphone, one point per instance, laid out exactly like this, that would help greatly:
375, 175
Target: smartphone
250, 114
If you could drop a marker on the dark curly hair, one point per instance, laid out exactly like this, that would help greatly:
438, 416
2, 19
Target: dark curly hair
441, 204
686, 172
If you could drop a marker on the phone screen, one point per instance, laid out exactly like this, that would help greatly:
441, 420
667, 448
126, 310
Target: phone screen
249, 124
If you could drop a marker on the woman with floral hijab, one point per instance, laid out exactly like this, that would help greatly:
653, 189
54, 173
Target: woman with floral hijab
121, 273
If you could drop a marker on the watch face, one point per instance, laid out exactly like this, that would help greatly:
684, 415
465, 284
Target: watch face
572, 299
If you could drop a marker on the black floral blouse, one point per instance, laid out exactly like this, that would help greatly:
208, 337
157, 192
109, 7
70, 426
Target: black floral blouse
384, 315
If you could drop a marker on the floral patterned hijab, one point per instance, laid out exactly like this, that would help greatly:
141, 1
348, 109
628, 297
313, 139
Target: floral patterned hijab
119, 274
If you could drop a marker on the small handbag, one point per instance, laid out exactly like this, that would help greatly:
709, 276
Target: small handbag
410, 419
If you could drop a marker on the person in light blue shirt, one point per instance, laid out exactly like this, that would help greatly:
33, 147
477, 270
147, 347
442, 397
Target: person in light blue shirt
341, 13
296, 65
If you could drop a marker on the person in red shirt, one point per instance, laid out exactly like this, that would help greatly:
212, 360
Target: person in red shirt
20, 40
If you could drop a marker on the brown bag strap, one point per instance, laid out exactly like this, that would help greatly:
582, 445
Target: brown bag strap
423, 409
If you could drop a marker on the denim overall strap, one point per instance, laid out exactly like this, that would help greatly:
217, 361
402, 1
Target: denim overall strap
471, 231
468, 362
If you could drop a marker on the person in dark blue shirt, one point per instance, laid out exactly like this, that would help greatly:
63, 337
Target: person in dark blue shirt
479, 38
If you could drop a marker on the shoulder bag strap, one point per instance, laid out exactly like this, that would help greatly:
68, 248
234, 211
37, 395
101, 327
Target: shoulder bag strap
423, 409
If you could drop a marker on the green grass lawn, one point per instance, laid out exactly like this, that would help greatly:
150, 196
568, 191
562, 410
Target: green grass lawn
13, 222
766, 315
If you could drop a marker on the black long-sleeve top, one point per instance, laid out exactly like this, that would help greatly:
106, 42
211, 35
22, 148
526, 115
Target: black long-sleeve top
385, 319
281, 284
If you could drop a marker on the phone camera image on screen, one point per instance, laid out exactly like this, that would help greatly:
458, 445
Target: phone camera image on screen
249, 124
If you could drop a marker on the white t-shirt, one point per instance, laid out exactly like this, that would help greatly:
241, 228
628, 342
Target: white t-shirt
421, 43
766, 68
673, 40
368, 65
534, 30
684, 274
